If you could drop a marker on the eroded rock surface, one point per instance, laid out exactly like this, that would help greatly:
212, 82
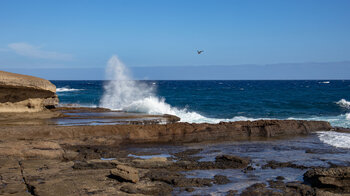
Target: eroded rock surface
22, 93
87, 160
338, 178
172, 133
126, 173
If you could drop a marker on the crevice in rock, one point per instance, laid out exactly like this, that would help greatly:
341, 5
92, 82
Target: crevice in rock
30, 188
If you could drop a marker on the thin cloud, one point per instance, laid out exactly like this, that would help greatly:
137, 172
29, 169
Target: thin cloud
4, 49
28, 50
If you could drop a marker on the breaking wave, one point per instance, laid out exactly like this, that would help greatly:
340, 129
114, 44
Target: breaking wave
343, 103
64, 89
124, 93
121, 92
342, 120
339, 140
324, 82
155, 105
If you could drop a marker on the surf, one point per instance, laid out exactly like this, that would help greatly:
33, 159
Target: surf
122, 92
343, 103
66, 89
339, 140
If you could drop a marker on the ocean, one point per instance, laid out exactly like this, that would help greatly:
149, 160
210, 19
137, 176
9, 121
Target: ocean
215, 101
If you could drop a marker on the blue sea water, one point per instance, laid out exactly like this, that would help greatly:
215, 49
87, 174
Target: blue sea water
215, 101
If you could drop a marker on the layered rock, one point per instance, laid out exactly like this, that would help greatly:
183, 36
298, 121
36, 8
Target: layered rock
126, 173
336, 178
22, 93
176, 132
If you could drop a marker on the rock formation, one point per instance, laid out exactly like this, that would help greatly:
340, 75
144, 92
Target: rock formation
170, 133
336, 178
125, 173
22, 93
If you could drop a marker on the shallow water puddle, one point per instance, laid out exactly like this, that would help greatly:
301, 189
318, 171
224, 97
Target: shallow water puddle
149, 156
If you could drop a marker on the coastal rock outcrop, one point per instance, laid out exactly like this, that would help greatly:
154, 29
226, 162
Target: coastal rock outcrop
126, 173
170, 133
338, 178
23, 93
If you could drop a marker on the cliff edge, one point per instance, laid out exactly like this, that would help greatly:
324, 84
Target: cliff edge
23, 93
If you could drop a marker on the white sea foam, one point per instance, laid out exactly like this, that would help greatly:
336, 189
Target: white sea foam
339, 140
155, 105
121, 90
342, 120
325, 82
77, 105
65, 89
343, 103
123, 93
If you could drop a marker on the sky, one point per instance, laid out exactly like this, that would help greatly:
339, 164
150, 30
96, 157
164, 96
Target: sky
158, 39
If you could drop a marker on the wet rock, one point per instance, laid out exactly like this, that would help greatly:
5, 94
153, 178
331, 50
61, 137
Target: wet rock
125, 173
249, 168
231, 193
280, 178
171, 118
325, 151
220, 179
230, 161
334, 178
276, 184
188, 152
257, 186
221, 162
341, 129
187, 155
259, 189
189, 189
275, 164
300, 189
277, 188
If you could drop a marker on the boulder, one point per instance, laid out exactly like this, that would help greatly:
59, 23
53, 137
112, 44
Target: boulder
125, 173
230, 161
22, 93
338, 178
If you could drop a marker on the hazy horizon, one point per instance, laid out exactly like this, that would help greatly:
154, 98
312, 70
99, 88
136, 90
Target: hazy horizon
282, 71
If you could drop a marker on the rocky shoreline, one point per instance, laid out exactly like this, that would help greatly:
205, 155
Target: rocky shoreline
110, 170
94, 160
45, 150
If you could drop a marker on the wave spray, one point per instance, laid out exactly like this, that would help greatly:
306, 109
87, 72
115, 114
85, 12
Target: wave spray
121, 92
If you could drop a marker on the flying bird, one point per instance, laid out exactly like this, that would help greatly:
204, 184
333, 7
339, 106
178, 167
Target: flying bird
200, 51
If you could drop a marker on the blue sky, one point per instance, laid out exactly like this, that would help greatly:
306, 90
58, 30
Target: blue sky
76, 36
